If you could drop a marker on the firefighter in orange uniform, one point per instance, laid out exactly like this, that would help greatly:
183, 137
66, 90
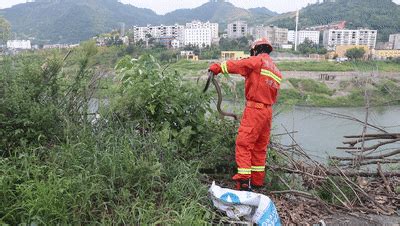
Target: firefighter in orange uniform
262, 83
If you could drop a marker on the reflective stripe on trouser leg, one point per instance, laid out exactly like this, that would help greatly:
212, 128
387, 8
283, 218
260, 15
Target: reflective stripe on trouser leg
244, 171
258, 168
245, 141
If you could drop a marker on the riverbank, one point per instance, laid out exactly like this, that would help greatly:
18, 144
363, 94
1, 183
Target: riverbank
312, 92
331, 66
348, 92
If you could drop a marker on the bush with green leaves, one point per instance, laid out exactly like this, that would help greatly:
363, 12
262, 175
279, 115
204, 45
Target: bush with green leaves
109, 172
39, 99
158, 100
355, 53
137, 164
30, 109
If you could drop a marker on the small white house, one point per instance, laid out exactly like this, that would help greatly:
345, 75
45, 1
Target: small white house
287, 46
186, 53
19, 44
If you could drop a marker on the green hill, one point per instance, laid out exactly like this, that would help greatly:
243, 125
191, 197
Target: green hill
219, 12
382, 15
71, 21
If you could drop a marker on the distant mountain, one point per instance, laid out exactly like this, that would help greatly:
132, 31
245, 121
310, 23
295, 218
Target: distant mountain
263, 11
220, 12
382, 15
71, 21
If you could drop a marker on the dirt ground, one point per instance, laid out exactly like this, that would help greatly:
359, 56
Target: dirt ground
349, 220
296, 210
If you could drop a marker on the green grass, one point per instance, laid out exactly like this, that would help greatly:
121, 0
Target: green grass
101, 178
309, 85
313, 93
383, 66
189, 68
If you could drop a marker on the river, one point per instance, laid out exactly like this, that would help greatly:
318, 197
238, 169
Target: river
319, 133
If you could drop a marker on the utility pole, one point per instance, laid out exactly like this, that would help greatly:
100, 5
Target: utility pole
296, 31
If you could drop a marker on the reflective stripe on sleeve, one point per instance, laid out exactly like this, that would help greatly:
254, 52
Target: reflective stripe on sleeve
224, 68
244, 171
258, 168
271, 75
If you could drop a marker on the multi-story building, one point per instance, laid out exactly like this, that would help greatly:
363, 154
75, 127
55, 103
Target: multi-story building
277, 36
19, 44
237, 29
200, 34
195, 33
303, 35
200, 37
394, 41
159, 32
333, 38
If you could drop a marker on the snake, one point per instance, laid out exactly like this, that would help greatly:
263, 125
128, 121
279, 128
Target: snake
211, 79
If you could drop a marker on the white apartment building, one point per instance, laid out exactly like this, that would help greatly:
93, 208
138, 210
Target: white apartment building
277, 36
19, 44
237, 29
303, 35
332, 38
174, 31
207, 25
200, 34
200, 37
394, 41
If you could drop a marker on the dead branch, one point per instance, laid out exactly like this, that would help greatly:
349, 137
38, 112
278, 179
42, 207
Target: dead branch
382, 156
283, 134
296, 171
384, 178
297, 192
365, 149
374, 162
377, 136
332, 172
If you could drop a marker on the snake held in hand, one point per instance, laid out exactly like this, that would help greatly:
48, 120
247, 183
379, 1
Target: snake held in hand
211, 78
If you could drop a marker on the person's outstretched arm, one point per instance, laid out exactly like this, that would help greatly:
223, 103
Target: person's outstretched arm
243, 67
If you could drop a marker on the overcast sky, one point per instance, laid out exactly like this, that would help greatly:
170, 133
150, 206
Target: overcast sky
164, 6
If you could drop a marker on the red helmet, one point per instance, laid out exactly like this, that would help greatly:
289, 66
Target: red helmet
260, 42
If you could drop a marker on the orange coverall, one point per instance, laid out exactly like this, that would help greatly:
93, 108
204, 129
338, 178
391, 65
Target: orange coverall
262, 82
